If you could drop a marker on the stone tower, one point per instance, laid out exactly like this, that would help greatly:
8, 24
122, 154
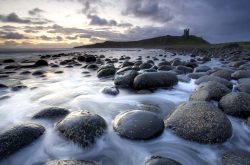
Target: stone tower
186, 33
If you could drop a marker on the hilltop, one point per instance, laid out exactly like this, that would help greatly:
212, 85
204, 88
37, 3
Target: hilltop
156, 42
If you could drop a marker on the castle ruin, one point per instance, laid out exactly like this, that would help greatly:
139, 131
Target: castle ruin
186, 33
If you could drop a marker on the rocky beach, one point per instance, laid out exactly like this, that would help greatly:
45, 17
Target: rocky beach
120, 106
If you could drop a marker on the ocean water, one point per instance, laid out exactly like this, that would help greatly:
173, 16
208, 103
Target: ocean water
74, 91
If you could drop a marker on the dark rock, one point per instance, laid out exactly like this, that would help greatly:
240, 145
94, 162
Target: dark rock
164, 63
51, 113
214, 78
183, 78
158, 160
90, 58
8, 61
145, 66
243, 87
202, 68
154, 80
81, 58
164, 68
41, 63
196, 75
71, 162
92, 66
176, 62
241, 74
201, 122
235, 157
210, 90
3, 86
12, 67
244, 81
110, 91
18, 87
18, 137
25, 72
82, 127
236, 104
223, 74
108, 72
138, 125
38, 72
59, 72
125, 79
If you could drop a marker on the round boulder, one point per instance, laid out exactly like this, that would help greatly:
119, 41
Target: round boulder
82, 127
18, 137
155, 80
51, 113
223, 74
110, 91
158, 160
199, 121
241, 74
214, 78
138, 125
71, 162
243, 87
125, 79
41, 63
236, 104
235, 157
210, 90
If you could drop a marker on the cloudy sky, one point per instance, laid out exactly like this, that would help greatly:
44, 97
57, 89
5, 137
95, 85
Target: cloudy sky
67, 23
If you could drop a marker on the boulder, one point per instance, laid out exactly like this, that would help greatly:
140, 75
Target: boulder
236, 104
110, 91
158, 160
125, 79
82, 127
241, 74
210, 90
106, 71
199, 121
51, 113
138, 125
155, 80
202, 68
214, 78
18, 137
71, 162
196, 75
243, 87
145, 66
223, 74
185, 69
235, 157
41, 63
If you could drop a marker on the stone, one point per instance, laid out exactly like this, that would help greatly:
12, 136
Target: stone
51, 113
138, 125
199, 121
125, 79
159, 160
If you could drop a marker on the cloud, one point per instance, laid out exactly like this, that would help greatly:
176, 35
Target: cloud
36, 12
46, 38
156, 10
72, 37
16, 36
96, 20
59, 38
14, 18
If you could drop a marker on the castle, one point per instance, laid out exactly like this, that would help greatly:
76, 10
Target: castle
186, 33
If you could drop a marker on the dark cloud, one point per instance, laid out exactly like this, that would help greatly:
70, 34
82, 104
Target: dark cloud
46, 38
72, 37
96, 20
14, 18
10, 35
59, 38
8, 28
36, 12
156, 10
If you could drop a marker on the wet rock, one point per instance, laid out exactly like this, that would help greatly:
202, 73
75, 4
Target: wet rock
235, 157
165, 68
176, 62
236, 104
81, 58
244, 81
12, 67
51, 113
164, 63
110, 91
158, 160
126, 63
145, 66
82, 127
92, 66
185, 69
8, 61
3, 86
243, 87
138, 125
59, 72
210, 90
90, 58
25, 72
196, 75
214, 78
241, 74
71, 162
106, 71
41, 63
201, 122
38, 73
203, 68
125, 79
18, 87
223, 74
183, 78
154, 80
18, 137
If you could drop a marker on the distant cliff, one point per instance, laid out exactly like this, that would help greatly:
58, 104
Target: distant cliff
152, 42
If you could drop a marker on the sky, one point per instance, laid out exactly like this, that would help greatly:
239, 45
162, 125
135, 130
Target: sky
68, 23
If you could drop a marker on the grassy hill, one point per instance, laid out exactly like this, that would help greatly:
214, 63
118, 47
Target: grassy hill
152, 42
